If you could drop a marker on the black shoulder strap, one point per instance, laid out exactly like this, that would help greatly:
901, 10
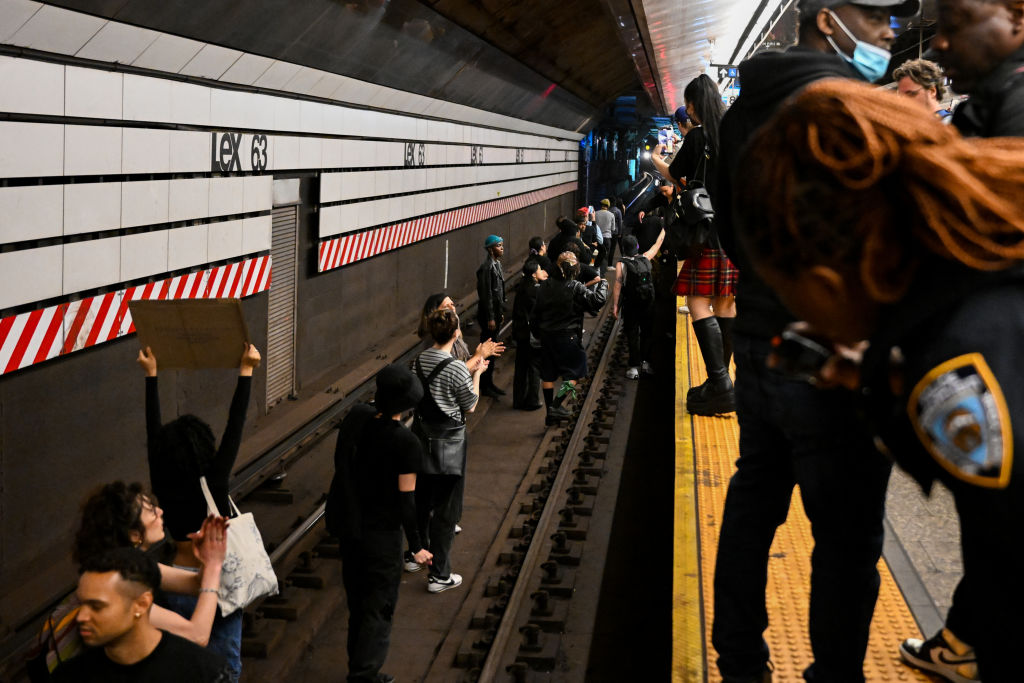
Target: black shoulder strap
433, 373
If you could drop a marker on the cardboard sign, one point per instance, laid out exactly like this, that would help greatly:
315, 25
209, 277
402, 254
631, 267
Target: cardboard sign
192, 333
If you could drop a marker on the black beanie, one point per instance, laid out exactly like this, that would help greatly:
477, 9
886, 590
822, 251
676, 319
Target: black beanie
398, 390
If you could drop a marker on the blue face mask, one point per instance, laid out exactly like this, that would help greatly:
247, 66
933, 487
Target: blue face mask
870, 60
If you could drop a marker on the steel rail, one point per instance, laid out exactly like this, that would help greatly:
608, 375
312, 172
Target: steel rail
531, 561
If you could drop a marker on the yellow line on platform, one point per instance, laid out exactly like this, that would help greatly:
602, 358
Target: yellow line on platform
688, 656
706, 449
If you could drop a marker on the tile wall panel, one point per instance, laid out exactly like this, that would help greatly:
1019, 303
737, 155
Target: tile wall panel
31, 212
144, 254
31, 86
92, 263
91, 207
30, 275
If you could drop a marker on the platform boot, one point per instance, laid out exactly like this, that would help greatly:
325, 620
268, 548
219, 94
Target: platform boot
715, 396
725, 324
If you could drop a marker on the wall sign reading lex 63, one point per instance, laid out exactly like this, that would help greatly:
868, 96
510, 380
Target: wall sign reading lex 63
239, 152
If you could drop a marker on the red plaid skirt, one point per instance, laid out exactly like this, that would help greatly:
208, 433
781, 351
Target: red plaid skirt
710, 274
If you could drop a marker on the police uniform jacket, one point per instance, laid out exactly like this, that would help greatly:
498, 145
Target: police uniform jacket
953, 409
490, 288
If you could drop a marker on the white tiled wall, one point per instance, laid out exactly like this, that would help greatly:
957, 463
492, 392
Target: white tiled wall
31, 212
294, 128
92, 263
90, 207
144, 203
143, 254
225, 240
30, 275
187, 247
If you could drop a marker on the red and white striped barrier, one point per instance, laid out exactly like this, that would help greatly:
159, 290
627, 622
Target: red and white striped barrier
30, 338
347, 249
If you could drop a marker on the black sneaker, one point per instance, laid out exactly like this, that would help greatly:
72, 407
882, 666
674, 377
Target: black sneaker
944, 655
555, 415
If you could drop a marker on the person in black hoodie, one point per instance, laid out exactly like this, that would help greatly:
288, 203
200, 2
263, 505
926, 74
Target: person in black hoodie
981, 48
790, 432
887, 228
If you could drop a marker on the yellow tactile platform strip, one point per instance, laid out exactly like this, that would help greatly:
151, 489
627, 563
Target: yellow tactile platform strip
705, 462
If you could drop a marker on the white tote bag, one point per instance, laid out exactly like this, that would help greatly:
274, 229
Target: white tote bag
247, 573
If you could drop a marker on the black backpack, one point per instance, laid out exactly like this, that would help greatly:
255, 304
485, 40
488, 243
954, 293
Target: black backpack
343, 513
639, 283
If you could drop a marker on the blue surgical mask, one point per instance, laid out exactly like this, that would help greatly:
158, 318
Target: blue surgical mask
870, 60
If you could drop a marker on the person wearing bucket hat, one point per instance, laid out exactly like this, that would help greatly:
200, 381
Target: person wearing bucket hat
371, 500
816, 442
490, 312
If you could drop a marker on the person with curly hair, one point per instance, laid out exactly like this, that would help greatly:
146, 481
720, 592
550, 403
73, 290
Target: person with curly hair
179, 453
875, 226
121, 515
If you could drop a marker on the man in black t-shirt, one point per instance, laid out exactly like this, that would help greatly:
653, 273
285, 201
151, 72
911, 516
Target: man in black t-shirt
376, 459
116, 591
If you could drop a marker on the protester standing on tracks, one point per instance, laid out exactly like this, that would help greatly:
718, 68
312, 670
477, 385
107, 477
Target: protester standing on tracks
526, 384
490, 312
182, 451
116, 590
561, 304
633, 300
604, 219
792, 433
917, 246
372, 499
460, 350
450, 391
123, 515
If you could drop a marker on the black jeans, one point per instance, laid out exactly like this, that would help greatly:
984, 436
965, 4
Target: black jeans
438, 508
638, 319
526, 385
371, 571
793, 434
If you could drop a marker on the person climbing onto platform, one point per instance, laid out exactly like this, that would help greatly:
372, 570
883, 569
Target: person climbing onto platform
490, 289
561, 304
887, 228
179, 453
792, 433
371, 500
633, 301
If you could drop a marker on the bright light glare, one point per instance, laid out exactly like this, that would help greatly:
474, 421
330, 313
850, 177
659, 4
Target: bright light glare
647, 155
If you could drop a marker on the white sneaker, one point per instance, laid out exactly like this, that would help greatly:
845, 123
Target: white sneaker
646, 368
409, 564
436, 585
458, 529
633, 373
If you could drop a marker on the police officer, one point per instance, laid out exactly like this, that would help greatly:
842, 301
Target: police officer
935, 281
490, 289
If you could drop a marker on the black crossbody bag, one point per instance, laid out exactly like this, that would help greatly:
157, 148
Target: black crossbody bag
443, 437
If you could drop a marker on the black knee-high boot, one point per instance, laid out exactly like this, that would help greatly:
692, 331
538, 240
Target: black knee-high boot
716, 395
725, 324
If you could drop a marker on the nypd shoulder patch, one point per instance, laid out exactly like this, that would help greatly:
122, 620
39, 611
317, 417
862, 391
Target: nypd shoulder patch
960, 415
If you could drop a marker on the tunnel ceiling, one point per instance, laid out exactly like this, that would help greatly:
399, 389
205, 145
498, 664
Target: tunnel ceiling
582, 45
